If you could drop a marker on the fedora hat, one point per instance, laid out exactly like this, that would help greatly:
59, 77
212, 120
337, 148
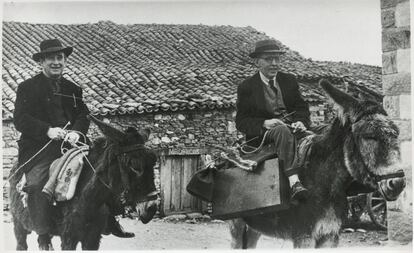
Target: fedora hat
266, 46
51, 46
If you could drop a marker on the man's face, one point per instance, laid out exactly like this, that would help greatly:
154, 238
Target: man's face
53, 64
268, 64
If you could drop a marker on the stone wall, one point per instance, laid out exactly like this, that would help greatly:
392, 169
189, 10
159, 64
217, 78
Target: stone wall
397, 101
188, 129
168, 130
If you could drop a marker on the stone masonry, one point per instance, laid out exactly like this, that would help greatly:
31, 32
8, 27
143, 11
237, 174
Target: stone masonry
185, 129
397, 90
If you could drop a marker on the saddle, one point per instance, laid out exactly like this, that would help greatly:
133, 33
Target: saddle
201, 184
64, 173
303, 150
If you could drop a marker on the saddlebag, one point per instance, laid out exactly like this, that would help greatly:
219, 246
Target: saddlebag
240, 193
236, 190
64, 173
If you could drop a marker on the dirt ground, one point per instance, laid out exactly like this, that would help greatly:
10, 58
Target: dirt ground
173, 233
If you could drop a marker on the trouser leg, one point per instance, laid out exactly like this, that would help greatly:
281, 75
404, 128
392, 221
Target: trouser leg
39, 205
285, 144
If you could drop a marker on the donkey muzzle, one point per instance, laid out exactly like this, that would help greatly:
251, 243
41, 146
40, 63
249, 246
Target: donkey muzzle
391, 188
147, 208
148, 215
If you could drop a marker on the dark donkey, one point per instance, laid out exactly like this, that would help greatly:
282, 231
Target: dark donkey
361, 144
122, 170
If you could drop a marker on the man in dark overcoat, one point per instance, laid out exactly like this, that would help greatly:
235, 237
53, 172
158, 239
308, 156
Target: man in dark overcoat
46, 107
269, 106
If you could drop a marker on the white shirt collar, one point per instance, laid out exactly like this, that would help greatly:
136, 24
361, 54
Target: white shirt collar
265, 80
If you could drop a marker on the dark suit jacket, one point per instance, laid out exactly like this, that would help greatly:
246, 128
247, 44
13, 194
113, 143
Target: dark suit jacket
251, 109
33, 112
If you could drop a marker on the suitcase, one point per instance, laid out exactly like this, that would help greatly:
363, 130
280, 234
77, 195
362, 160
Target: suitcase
239, 193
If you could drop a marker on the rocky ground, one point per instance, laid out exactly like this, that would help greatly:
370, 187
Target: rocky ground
195, 231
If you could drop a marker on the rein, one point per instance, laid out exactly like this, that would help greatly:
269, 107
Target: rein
36, 154
397, 174
150, 196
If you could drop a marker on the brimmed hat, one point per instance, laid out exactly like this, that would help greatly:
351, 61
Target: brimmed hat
266, 46
51, 46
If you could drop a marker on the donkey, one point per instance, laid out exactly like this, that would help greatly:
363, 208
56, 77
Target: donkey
361, 144
120, 167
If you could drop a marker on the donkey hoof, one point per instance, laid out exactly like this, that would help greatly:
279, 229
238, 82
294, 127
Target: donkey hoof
46, 247
44, 242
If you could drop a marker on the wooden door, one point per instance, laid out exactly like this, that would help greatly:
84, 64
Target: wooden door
175, 173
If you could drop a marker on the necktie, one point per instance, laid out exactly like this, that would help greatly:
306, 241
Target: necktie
57, 86
272, 85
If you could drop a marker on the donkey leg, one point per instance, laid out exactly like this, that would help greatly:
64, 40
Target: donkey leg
92, 240
68, 243
237, 228
21, 235
302, 241
45, 242
251, 238
327, 241
326, 230
242, 237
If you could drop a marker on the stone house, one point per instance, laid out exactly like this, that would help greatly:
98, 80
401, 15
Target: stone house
179, 80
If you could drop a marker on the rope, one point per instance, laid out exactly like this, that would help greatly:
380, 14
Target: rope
63, 150
89, 163
36, 154
94, 171
264, 137
256, 149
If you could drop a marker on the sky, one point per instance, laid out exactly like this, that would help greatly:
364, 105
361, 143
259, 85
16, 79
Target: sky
331, 30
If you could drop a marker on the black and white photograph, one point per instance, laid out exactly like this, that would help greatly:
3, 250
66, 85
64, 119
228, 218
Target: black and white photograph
206, 125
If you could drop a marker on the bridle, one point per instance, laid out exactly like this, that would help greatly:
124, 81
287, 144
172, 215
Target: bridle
124, 176
376, 178
127, 149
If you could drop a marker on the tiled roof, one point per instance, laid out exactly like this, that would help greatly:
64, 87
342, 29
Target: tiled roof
149, 67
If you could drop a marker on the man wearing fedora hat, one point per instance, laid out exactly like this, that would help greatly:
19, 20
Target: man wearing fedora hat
270, 109
46, 106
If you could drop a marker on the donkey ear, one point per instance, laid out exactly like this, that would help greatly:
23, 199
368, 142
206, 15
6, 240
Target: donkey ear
145, 133
344, 102
109, 131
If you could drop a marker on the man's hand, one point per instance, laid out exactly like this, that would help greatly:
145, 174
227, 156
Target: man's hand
298, 126
272, 123
72, 138
56, 133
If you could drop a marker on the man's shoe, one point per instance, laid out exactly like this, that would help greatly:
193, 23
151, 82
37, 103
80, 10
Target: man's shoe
299, 192
117, 230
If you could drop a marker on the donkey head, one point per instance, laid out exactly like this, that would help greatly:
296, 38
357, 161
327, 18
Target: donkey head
131, 165
371, 150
